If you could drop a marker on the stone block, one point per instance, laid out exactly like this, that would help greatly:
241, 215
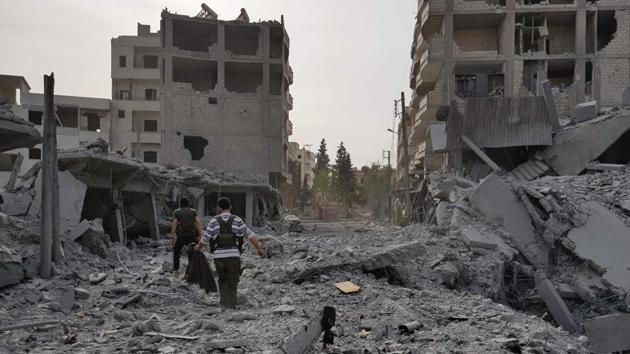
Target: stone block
609, 333
586, 111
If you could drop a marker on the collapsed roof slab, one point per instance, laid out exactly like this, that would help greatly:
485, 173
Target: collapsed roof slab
16, 132
609, 333
574, 148
496, 199
604, 241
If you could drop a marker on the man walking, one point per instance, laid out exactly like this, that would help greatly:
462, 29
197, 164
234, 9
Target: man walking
225, 235
185, 229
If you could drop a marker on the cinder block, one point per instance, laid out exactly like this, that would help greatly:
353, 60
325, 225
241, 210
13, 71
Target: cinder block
586, 111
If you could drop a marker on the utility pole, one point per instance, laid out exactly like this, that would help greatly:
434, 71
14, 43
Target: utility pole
387, 154
49, 242
405, 161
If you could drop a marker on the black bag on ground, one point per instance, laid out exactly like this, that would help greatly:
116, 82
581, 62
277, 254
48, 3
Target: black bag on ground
199, 272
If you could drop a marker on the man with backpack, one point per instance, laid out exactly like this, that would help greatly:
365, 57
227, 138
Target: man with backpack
185, 229
225, 235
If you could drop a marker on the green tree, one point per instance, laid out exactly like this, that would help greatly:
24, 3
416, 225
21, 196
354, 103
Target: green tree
321, 183
374, 192
323, 160
344, 181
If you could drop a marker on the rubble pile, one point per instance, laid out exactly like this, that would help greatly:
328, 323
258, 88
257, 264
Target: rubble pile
130, 302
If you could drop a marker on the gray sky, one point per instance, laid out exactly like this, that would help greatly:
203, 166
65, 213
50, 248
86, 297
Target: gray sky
351, 58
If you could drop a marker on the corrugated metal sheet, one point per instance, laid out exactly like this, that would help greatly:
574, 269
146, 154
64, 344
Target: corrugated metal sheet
495, 122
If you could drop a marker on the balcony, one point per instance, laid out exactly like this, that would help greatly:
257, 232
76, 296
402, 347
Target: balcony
430, 65
136, 73
479, 5
437, 5
136, 104
289, 73
289, 101
150, 137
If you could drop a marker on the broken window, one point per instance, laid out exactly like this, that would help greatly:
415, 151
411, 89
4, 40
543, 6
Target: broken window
242, 39
93, 122
606, 28
122, 61
150, 125
121, 113
243, 77
150, 61
212, 100
196, 145
591, 31
479, 79
275, 81
561, 73
530, 34
35, 153
275, 43
561, 33
68, 116
194, 36
150, 156
35, 117
201, 74
150, 94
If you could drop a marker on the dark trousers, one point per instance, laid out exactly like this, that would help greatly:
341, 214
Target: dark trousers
177, 249
229, 273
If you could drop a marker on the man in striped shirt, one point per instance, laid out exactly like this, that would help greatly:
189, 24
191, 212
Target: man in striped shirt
225, 235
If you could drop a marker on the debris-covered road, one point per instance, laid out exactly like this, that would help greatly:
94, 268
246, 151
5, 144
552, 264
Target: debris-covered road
404, 276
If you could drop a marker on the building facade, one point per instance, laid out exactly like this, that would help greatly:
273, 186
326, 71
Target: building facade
224, 96
135, 72
80, 119
307, 162
482, 48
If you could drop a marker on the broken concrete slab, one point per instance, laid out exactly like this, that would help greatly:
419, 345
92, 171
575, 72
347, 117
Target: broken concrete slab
609, 333
556, 305
496, 199
585, 111
11, 270
92, 236
604, 241
83, 228
67, 301
15, 204
474, 238
575, 148
71, 197
443, 214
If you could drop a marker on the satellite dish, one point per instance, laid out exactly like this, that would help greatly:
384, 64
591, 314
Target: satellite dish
206, 8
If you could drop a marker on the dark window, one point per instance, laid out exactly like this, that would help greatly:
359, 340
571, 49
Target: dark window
238, 201
122, 61
93, 122
150, 125
150, 61
35, 153
68, 116
150, 156
150, 94
35, 117
212, 100
121, 113
123, 95
466, 85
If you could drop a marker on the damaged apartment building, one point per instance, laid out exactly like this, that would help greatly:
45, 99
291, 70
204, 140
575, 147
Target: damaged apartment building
508, 75
225, 95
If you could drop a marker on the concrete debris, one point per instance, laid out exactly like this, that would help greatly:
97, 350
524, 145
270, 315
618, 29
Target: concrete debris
555, 304
585, 111
92, 236
604, 241
576, 147
609, 333
96, 278
348, 287
497, 200
15, 204
11, 271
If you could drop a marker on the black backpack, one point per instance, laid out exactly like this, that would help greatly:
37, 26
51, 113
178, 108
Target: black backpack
226, 238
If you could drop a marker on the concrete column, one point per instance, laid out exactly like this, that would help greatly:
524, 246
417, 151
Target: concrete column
168, 33
152, 219
249, 207
580, 51
448, 89
266, 78
509, 31
221, 40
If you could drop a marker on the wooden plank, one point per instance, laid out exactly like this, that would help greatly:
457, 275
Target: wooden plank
481, 154
348, 287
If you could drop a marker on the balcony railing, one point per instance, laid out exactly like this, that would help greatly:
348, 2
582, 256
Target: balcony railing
130, 97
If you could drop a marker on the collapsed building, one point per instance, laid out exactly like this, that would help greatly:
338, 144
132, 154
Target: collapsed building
489, 61
225, 95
